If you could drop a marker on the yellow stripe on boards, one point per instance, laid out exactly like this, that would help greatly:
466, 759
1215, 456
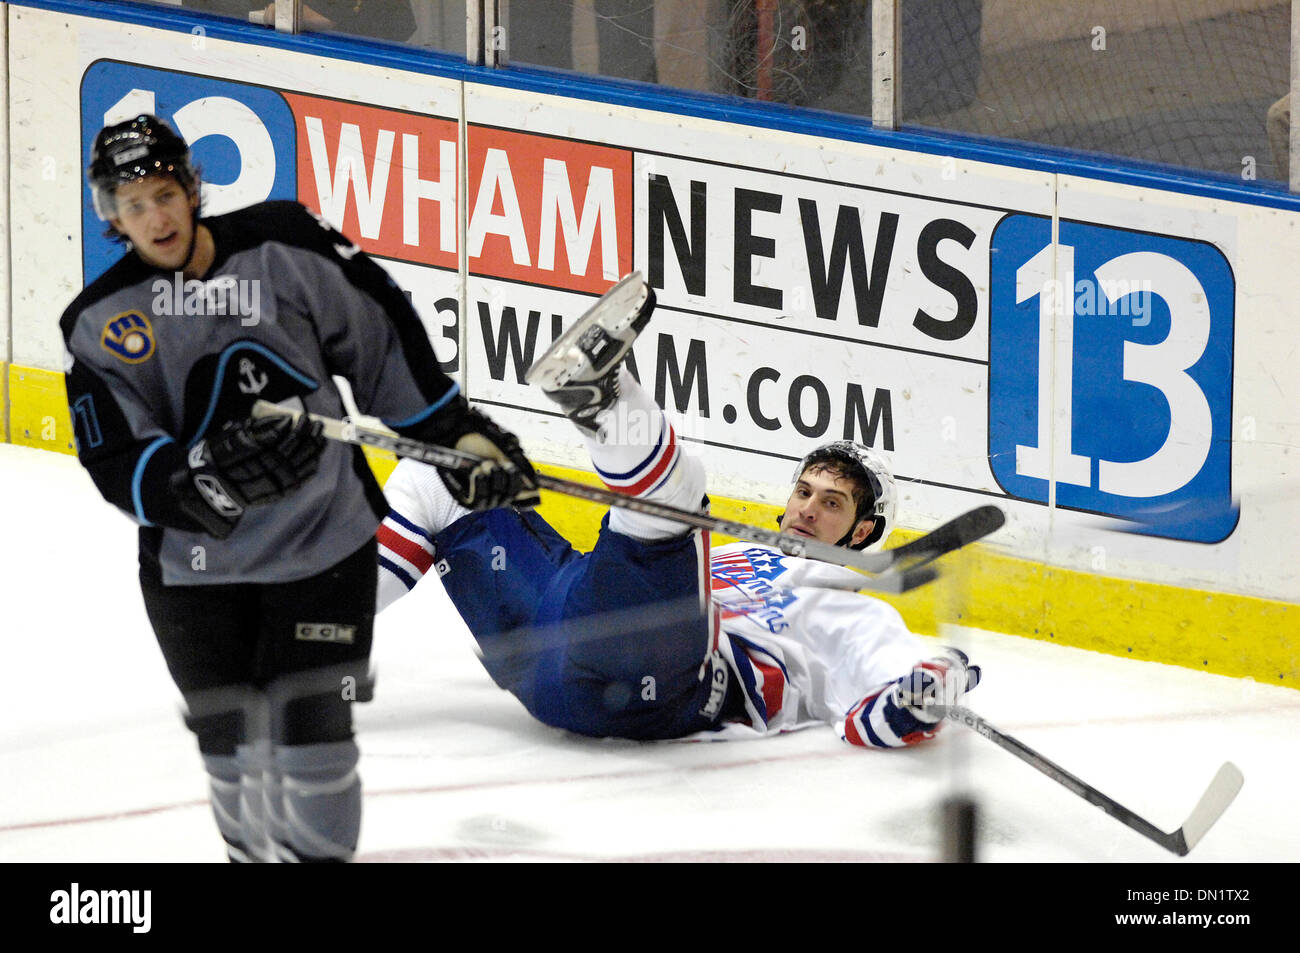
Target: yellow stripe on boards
38, 410
1216, 632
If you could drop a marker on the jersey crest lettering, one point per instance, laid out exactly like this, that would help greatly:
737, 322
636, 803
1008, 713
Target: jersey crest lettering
748, 567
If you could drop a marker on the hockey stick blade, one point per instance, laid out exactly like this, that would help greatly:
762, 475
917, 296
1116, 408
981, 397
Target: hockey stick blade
959, 531
1227, 782
896, 581
907, 560
447, 458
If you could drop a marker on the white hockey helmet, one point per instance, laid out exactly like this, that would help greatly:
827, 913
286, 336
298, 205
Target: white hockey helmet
869, 469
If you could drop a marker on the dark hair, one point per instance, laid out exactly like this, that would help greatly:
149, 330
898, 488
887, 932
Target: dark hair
829, 460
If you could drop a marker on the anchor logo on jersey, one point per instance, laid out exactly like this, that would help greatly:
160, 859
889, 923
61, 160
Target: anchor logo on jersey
223, 387
129, 336
252, 381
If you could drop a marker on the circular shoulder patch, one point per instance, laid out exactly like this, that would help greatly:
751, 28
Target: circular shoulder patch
129, 336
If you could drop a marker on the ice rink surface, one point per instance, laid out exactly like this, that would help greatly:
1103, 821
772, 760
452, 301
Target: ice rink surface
99, 768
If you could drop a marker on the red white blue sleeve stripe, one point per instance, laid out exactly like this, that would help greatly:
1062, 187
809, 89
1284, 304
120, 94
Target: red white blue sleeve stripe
644, 478
879, 721
762, 675
405, 550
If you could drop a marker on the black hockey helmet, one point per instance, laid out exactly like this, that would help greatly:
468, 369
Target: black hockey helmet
869, 470
132, 150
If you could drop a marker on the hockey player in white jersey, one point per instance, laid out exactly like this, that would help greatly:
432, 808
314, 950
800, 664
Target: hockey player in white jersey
647, 637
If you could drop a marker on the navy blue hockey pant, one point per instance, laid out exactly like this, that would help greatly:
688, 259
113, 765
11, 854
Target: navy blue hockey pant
612, 643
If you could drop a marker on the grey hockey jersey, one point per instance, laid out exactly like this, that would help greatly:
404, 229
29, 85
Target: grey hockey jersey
154, 363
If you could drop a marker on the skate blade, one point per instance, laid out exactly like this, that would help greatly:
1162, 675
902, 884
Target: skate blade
622, 307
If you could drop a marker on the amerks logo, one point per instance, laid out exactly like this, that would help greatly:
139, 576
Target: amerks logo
746, 568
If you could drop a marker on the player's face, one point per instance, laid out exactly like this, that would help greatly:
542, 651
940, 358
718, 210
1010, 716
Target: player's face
157, 215
822, 508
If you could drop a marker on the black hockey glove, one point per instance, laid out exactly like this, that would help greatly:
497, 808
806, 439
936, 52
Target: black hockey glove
504, 478
247, 464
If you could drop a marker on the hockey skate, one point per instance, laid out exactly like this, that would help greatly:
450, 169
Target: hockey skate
580, 370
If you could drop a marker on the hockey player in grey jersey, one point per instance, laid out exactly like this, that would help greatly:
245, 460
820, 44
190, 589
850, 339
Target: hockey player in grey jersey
257, 553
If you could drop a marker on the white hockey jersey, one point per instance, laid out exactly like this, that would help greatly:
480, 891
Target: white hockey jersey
808, 655
804, 654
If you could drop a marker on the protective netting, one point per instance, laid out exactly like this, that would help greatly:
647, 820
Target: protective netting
435, 24
1192, 83
1184, 82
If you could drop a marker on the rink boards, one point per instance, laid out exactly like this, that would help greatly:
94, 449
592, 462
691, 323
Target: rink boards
1093, 349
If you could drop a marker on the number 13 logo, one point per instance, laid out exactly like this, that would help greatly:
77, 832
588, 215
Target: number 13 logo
1110, 373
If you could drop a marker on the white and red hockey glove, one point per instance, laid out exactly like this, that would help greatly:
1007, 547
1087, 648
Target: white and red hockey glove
937, 684
910, 709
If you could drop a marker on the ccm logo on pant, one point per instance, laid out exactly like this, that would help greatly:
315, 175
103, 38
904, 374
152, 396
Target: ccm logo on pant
324, 632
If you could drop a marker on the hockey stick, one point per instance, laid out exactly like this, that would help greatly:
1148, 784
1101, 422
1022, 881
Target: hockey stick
952, 535
1208, 809
913, 558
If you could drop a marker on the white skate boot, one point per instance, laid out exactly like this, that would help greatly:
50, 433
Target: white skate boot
580, 370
